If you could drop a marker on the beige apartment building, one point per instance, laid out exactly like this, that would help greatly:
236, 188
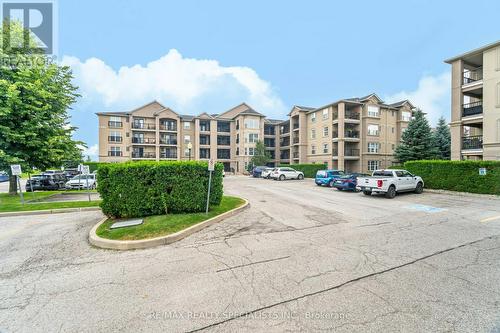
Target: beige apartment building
355, 135
475, 104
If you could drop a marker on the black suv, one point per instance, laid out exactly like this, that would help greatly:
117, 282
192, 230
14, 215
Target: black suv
46, 182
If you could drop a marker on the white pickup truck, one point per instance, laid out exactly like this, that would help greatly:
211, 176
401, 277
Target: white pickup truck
390, 182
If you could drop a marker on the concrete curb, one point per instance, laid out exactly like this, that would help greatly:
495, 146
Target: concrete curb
50, 211
464, 194
162, 240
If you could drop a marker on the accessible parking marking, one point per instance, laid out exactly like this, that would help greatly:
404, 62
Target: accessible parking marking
424, 208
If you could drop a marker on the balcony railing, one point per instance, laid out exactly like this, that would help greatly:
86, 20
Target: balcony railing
168, 155
473, 75
470, 109
352, 134
115, 124
167, 127
115, 153
143, 155
295, 140
296, 125
472, 142
352, 115
168, 141
115, 139
351, 152
143, 126
295, 155
147, 141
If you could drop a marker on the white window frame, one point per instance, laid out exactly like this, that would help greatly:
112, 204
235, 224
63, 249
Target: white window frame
406, 116
313, 117
313, 133
373, 165
115, 119
325, 148
187, 139
325, 131
313, 149
371, 111
187, 125
186, 152
252, 137
252, 123
325, 114
373, 147
373, 132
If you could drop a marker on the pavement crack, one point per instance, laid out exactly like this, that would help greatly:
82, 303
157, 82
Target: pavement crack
252, 263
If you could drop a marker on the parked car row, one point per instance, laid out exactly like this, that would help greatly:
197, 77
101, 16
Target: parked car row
4, 177
56, 180
387, 182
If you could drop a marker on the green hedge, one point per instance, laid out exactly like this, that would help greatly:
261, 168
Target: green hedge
93, 166
309, 170
136, 189
462, 176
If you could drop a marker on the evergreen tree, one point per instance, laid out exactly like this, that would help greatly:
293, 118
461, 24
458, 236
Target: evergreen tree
261, 155
417, 141
442, 139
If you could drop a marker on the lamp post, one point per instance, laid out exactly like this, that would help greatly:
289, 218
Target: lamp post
190, 146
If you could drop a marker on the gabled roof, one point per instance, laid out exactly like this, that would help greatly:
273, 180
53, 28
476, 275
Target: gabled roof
186, 117
473, 52
401, 103
300, 108
112, 113
361, 99
204, 114
249, 110
273, 121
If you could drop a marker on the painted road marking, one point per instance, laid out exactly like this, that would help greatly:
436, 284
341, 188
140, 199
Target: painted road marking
424, 208
490, 219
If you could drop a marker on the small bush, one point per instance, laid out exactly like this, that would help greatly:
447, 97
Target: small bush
309, 170
462, 176
93, 166
137, 189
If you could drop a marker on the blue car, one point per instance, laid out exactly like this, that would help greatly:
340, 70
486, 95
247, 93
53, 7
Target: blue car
3, 176
348, 182
257, 171
327, 177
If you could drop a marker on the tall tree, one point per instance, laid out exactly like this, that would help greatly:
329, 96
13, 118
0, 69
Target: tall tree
261, 155
35, 96
442, 139
417, 142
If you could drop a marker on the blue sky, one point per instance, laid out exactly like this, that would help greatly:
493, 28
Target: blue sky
198, 56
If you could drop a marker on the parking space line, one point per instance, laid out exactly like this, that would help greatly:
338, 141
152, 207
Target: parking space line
488, 219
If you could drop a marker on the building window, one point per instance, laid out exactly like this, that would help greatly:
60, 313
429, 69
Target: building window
325, 148
373, 165
187, 125
392, 129
373, 130
325, 114
498, 58
115, 151
406, 116
313, 134
187, 152
252, 123
313, 150
373, 111
187, 138
252, 137
251, 151
393, 146
392, 113
115, 136
325, 131
115, 122
373, 147
498, 94
313, 117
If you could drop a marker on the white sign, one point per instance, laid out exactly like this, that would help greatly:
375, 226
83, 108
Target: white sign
85, 169
211, 165
16, 169
482, 171
80, 167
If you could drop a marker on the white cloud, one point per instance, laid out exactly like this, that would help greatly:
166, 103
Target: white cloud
432, 96
183, 83
91, 151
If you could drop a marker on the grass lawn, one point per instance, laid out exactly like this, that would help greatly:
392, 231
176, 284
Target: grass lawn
12, 203
162, 225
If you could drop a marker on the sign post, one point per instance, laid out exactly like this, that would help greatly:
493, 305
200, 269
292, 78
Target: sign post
482, 171
86, 172
211, 167
16, 171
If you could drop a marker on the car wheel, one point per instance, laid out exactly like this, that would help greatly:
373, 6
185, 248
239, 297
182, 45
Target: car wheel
300, 177
330, 183
338, 188
420, 188
391, 192
282, 177
367, 192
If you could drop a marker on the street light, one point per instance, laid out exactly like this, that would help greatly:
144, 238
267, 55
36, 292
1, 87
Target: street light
190, 146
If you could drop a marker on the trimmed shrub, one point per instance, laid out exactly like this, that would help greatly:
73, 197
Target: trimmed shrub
137, 189
309, 170
93, 166
462, 176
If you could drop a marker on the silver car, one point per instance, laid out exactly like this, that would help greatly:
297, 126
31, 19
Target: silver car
286, 173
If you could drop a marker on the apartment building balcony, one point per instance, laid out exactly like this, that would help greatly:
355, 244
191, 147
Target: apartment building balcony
115, 139
223, 127
115, 153
204, 126
144, 126
269, 130
472, 76
168, 128
115, 124
168, 142
295, 126
285, 143
223, 140
473, 142
144, 141
223, 154
295, 155
295, 141
349, 153
168, 155
144, 155
472, 109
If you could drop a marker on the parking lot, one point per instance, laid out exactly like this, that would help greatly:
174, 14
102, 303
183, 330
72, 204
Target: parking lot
301, 257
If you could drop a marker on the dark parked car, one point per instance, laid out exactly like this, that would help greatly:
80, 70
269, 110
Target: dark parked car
45, 182
257, 171
327, 177
4, 176
348, 182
